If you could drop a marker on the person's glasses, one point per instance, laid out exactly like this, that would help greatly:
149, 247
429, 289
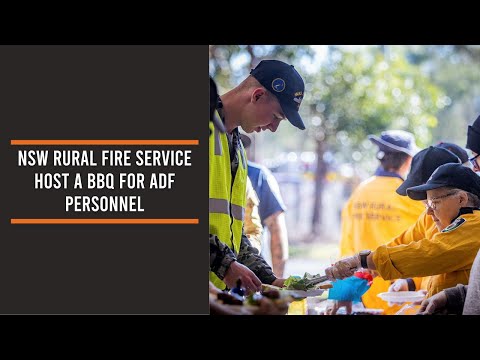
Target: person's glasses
430, 203
474, 163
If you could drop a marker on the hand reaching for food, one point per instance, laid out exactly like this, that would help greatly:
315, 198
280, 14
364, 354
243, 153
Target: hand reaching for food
249, 280
343, 268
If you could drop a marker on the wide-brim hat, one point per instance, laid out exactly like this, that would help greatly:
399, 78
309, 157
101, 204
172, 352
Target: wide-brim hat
395, 141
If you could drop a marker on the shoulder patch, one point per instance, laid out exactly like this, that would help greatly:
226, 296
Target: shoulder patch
454, 225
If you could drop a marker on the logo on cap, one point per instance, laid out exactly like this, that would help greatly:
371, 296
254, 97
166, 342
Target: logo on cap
278, 85
298, 98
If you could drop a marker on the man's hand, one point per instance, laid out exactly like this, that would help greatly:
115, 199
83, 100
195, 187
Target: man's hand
434, 304
236, 271
343, 268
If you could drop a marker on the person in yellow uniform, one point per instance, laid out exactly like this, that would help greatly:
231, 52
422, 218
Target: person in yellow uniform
451, 197
425, 227
375, 213
423, 165
430, 305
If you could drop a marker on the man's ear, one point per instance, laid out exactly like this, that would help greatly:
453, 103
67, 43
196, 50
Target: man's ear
257, 94
463, 198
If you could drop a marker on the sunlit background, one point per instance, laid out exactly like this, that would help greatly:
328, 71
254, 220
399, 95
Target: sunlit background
351, 92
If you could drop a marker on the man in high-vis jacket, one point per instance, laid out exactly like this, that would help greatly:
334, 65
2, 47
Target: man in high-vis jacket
273, 92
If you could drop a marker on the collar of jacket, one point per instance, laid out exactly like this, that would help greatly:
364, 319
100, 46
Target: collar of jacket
464, 210
381, 172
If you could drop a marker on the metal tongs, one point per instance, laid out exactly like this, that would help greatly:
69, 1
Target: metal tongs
316, 279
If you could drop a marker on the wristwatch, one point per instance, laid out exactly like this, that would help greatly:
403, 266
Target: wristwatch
363, 258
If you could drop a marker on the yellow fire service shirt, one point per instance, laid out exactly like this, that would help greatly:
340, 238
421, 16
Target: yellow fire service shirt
447, 256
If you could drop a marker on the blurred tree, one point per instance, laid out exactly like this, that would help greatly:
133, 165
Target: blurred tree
472, 51
454, 68
360, 93
229, 64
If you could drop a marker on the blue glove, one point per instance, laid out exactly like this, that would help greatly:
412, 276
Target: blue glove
349, 289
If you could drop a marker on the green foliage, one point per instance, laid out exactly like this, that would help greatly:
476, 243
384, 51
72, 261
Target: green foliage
360, 93
455, 70
229, 64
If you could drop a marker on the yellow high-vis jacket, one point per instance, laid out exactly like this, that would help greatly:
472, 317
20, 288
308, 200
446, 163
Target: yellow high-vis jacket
447, 256
226, 195
374, 215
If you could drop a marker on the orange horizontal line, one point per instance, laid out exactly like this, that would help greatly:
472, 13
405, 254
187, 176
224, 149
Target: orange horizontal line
103, 221
103, 142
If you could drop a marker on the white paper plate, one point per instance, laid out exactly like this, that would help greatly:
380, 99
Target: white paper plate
402, 296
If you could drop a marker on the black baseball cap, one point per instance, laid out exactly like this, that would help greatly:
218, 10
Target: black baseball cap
423, 166
473, 136
395, 141
457, 150
448, 175
283, 81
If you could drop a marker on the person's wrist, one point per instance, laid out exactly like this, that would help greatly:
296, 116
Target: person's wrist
411, 284
363, 255
227, 265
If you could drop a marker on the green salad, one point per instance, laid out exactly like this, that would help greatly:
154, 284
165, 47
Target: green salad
296, 282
